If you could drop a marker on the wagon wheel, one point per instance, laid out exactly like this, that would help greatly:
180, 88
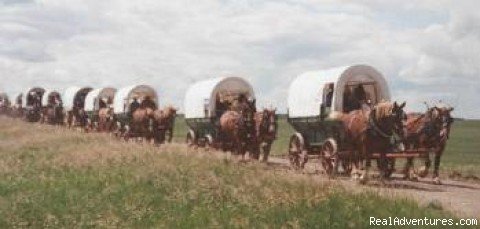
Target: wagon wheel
347, 165
330, 158
118, 130
126, 133
296, 152
191, 140
208, 142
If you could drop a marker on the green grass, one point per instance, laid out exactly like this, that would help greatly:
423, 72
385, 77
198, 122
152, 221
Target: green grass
463, 148
53, 177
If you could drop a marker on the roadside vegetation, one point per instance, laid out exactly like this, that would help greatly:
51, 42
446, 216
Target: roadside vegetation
54, 177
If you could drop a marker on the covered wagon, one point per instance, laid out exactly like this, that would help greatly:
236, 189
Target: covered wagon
126, 101
16, 109
204, 104
52, 107
4, 103
32, 103
317, 99
74, 106
100, 98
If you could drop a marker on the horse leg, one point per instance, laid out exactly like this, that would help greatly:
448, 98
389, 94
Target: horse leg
438, 155
366, 157
408, 173
357, 164
423, 171
383, 165
254, 150
170, 135
266, 151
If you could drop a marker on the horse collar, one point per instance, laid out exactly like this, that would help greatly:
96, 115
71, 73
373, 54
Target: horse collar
377, 129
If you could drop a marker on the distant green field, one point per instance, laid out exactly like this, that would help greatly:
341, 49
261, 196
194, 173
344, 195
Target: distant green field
462, 153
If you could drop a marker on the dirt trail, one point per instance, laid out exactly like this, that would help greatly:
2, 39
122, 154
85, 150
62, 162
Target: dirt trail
460, 197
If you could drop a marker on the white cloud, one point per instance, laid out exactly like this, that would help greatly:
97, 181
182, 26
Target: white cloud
422, 48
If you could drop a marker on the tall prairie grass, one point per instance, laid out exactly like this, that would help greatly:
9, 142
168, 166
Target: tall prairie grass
55, 177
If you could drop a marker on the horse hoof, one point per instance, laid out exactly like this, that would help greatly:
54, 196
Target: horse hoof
363, 180
355, 177
423, 172
437, 181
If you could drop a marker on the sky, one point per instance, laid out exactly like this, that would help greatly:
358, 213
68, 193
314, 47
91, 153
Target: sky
427, 50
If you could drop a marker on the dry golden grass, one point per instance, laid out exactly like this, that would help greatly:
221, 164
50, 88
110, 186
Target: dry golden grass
56, 177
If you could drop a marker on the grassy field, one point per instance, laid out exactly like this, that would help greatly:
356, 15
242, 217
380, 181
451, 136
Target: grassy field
54, 177
462, 154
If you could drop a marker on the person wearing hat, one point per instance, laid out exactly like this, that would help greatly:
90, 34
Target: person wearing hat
148, 103
134, 105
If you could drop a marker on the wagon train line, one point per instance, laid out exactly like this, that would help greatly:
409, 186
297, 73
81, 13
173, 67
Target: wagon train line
343, 116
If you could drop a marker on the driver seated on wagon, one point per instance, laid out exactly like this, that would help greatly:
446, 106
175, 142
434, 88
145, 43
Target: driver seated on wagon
134, 105
102, 103
222, 105
148, 103
356, 100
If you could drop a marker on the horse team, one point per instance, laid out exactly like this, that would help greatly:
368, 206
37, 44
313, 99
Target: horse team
378, 130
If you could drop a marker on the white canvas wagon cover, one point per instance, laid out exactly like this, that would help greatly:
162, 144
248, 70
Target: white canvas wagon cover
93, 97
124, 97
28, 91
70, 94
306, 91
200, 97
47, 94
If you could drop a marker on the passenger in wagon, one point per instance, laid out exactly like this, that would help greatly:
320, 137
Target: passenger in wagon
148, 103
347, 100
79, 101
134, 105
221, 106
36, 100
362, 98
329, 95
102, 103
239, 104
51, 100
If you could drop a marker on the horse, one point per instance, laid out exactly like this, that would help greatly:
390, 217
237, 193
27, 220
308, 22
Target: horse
430, 131
106, 119
265, 132
76, 117
141, 123
233, 129
16, 111
52, 114
164, 123
371, 131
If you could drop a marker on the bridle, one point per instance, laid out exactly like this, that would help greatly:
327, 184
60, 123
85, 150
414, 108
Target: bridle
396, 117
266, 123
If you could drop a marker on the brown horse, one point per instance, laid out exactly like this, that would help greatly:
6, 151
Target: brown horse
52, 114
76, 117
16, 111
428, 131
106, 120
265, 132
164, 123
233, 129
141, 124
371, 131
